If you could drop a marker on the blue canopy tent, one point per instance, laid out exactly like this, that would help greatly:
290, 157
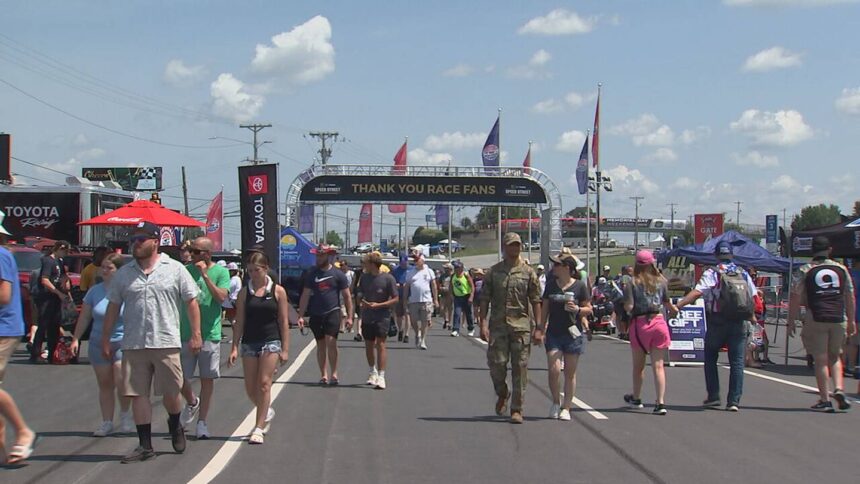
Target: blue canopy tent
747, 254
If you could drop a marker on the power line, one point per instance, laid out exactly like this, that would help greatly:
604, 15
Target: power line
41, 166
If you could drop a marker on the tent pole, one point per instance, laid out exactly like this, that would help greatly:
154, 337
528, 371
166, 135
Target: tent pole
790, 276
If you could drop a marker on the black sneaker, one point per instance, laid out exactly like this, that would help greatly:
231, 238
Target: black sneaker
633, 402
358, 338
711, 402
841, 401
400, 336
138, 455
405, 338
826, 406
177, 438
660, 409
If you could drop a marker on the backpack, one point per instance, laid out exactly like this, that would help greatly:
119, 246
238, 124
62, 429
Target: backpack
734, 301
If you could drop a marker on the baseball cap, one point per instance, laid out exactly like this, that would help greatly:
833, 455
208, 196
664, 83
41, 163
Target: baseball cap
540, 267
2, 228
232, 266
147, 228
222, 263
404, 257
568, 259
479, 272
457, 264
512, 238
323, 249
820, 246
607, 268
645, 257
723, 249
601, 280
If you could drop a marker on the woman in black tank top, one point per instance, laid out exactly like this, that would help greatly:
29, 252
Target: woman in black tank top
261, 334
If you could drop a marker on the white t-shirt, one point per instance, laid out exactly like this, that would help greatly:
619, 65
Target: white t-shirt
232, 292
420, 285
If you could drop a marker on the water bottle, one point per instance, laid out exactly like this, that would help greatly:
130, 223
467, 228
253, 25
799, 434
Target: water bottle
569, 297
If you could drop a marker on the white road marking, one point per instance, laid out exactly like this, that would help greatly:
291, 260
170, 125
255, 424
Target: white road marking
579, 403
220, 460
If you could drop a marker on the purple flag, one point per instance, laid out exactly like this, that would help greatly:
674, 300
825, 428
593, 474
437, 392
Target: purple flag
442, 215
582, 168
306, 219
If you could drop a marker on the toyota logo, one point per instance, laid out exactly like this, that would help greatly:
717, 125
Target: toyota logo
257, 184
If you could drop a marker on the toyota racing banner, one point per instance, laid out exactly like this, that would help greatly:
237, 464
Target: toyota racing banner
258, 204
214, 218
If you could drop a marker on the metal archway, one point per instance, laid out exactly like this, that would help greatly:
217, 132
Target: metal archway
550, 209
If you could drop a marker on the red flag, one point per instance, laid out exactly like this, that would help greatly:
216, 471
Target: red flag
214, 219
365, 224
527, 163
399, 169
595, 142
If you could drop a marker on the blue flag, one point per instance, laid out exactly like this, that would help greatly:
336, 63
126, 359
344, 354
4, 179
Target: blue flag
582, 168
491, 153
442, 215
306, 219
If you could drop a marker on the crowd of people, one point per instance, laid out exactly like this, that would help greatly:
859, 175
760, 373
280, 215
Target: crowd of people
155, 322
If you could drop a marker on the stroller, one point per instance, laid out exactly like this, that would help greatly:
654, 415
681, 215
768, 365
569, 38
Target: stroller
602, 308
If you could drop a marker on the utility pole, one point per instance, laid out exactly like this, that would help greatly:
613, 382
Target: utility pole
325, 154
256, 128
738, 218
672, 233
636, 222
185, 191
346, 235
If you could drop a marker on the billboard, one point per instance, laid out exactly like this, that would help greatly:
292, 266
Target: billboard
133, 179
258, 205
47, 215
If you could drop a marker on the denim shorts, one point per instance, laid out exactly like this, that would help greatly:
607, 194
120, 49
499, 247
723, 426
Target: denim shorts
565, 343
255, 350
94, 352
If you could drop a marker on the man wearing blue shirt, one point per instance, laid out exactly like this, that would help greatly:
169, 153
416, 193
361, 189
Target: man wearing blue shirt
11, 330
400, 313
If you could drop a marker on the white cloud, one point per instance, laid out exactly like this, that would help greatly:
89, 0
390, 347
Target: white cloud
548, 106
420, 156
454, 141
177, 74
685, 183
302, 55
632, 181
535, 69
849, 101
460, 70
570, 141
690, 136
784, 3
644, 124
662, 136
80, 140
772, 59
785, 184
231, 99
766, 128
755, 158
662, 155
575, 99
559, 22
91, 154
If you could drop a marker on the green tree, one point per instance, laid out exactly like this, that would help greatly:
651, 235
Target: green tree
466, 223
579, 212
816, 216
424, 235
333, 238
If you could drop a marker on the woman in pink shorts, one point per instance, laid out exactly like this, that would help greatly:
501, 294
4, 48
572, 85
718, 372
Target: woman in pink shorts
645, 300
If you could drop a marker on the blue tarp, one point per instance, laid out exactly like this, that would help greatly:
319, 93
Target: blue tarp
295, 251
747, 254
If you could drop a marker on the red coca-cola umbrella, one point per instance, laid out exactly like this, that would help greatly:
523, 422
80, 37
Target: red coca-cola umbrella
143, 210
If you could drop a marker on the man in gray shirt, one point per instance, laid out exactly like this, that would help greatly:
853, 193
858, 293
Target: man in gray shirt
152, 288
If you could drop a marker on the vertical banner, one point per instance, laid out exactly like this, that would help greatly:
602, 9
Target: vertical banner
442, 215
706, 226
687, 333
5, 158
365, 224
771, 233
214, 229
399, 169
490, 154
306, 219
258, 204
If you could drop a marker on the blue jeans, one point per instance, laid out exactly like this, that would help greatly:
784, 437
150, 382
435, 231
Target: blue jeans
733, 335
462, 306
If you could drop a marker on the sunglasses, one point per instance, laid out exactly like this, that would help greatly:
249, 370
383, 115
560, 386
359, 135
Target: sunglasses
140, 238
196, 251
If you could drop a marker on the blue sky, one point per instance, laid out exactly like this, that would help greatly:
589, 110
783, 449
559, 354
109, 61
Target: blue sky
703, 104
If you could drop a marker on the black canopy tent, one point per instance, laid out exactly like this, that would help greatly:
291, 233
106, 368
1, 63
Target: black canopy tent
844, 237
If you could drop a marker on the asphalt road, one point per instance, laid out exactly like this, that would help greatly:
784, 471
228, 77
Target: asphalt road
435, 423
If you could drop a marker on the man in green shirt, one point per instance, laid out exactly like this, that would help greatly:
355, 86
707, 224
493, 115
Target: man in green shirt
214, 283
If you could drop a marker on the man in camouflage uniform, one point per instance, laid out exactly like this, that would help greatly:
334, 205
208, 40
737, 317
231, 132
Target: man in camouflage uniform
509, 287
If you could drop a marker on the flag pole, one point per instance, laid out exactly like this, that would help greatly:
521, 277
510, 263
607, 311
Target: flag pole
406, 207
381, 209
530, 209
587, 216
450, 217
599, 176
499, 224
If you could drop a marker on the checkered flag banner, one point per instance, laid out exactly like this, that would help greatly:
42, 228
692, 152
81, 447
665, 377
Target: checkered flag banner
147, 178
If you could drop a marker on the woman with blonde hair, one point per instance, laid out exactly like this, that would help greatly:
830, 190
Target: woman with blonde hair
644, 300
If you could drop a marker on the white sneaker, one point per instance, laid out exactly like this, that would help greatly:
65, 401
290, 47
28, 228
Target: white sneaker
372, 378
423, 345
202, 430
380, 383
104, 429
455, 333
554, 410
471, 332
126, 422
564, 414
270, 415
189, 413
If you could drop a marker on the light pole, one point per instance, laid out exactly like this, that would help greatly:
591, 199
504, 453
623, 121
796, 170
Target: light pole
595, 184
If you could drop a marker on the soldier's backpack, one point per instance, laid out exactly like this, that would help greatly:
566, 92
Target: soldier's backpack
734, 302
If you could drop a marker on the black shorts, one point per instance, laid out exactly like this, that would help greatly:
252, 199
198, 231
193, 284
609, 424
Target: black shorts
325, 325
374, 329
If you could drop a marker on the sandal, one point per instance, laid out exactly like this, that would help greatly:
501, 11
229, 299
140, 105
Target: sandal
21, 452
256, 437
323, 381
334, 382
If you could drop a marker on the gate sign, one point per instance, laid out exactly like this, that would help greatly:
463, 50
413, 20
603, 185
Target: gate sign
687, 332
771, 229
403, 189
708, 226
